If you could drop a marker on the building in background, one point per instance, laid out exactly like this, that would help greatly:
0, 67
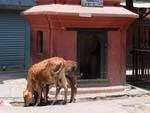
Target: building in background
91, 32
14, 35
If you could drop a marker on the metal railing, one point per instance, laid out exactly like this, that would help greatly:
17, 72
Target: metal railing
141, 64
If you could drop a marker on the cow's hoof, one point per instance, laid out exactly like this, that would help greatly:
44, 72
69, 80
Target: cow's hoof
53, 102
64, 102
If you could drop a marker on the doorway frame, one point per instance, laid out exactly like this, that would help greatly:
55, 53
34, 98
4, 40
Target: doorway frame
103, 69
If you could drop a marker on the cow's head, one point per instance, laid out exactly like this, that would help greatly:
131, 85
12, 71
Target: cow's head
70, 67
27, 98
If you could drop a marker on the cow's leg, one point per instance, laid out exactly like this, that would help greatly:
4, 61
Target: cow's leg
64, 83
58, 88
66, 92
65, 86
75, 87
39, 91
47, 91
35, 97
45, 94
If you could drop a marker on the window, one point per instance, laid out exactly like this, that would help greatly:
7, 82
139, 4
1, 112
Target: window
40, 42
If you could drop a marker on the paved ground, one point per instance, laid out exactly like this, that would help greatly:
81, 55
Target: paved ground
116, 99
119, 105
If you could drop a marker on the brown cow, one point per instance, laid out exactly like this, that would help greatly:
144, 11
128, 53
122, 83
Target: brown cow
70, 73
46, 72
70, 68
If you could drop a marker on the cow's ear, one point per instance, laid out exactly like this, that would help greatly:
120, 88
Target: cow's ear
26, 92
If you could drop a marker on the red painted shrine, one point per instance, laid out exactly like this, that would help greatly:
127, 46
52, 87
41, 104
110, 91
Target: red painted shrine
95, 37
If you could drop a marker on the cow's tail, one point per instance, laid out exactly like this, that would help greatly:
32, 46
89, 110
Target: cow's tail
73, 86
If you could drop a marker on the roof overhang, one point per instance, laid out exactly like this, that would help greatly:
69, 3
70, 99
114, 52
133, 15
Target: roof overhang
78, 10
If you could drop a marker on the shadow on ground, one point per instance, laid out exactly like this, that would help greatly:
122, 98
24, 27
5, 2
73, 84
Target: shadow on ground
21, 103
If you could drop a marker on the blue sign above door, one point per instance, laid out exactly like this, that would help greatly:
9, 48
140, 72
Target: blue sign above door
92, 3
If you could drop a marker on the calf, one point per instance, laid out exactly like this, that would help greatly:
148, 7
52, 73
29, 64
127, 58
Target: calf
70, 68
70, 73
46, 72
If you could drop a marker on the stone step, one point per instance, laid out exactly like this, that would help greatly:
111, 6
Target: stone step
92, 83
94, 90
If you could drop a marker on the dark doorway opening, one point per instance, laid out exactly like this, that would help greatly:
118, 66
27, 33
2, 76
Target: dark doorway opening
92, 54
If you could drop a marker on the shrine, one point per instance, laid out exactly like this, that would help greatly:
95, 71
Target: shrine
91, 32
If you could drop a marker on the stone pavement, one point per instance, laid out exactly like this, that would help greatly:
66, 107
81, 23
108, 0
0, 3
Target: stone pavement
12, 87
